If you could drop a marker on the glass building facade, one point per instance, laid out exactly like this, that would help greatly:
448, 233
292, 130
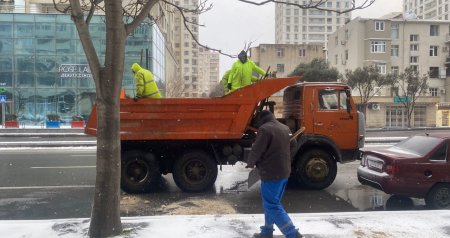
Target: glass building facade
43, 68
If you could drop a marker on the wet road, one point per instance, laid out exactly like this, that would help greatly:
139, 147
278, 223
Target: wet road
55, 183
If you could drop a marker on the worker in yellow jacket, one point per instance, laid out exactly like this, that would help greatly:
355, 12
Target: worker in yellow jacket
241, 73
146, 86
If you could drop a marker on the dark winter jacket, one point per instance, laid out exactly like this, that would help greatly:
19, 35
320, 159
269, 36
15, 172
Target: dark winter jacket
271, 152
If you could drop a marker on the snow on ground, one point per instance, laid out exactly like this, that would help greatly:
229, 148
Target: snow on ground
408, 224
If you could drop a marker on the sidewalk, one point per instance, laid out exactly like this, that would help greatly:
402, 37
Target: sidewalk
381, 224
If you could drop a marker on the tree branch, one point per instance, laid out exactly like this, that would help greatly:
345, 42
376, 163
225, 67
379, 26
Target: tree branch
315, 5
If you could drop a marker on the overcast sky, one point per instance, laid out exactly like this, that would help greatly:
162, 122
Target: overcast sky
231, 24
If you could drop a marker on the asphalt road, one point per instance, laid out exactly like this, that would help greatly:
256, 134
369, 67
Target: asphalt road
59, 183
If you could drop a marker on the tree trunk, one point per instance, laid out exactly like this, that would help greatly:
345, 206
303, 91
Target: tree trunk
105, 216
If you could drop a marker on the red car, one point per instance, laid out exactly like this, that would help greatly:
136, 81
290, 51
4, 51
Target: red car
416, 167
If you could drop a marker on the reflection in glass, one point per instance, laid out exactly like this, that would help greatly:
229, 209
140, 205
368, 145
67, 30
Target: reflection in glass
24, 99
63, 82
85, 101
24, 46
45, 46
23, 29
5, 30
6, 64
45, 30
65, 31
65, 46
25, 79
6, 79
46, 80
86, 83
66, 103
46, 103
25, 63
6, 46
46, 64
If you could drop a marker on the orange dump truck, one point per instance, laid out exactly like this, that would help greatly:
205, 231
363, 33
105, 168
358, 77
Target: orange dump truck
190, 137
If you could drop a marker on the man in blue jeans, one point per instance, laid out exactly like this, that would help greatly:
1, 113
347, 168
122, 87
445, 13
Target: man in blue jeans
271, 154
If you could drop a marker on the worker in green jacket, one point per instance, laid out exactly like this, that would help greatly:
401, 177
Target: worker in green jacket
224, 81
146, 86
241, 73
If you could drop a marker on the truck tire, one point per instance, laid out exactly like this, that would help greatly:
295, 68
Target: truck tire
314, 169
140, 171
195, 171
439, 197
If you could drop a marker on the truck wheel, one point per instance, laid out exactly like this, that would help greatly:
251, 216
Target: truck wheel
140, 172
439, 197
315, 169
195, 171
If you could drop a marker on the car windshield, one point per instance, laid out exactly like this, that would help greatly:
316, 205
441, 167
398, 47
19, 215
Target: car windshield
420, 145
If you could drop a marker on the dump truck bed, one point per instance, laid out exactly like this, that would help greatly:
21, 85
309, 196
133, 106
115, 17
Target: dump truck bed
224, 117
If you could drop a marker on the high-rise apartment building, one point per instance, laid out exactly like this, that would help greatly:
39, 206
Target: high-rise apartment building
186, 49
392, 45
294, 25
208, 71
427, 9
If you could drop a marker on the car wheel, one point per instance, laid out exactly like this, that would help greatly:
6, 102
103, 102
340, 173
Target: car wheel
315, 169
396, 202
139, 172
195, 171
439, 197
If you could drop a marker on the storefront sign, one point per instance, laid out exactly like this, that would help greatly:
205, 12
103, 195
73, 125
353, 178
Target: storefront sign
74, 71
402, 99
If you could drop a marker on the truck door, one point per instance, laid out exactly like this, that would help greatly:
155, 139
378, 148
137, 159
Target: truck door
332, 119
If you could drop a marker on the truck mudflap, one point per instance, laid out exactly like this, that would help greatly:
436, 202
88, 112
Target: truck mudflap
224, 117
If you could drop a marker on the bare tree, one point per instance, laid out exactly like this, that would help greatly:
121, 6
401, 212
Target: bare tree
365, 80
121, 19
408, 87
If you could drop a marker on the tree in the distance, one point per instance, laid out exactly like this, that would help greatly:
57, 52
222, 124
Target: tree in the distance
367, 81
408, 86
318, 70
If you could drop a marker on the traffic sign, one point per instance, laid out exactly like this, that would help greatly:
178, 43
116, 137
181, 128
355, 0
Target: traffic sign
2, 98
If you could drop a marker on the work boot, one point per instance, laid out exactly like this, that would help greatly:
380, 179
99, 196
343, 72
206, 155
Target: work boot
263, 235
294, 235
266, 232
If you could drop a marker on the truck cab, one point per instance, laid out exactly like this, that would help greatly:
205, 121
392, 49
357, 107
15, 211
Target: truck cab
334, 130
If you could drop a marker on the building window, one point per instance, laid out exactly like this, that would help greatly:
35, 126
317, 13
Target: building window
413, 38
414, 68
302, 52
433, 92
434, 72
394, 31
381, 68
420, 116
414, 59
414, 47
378, 46
395, 70
379, 25
433, 50
434, 30
280, 52
346, 54
280, 68
394, 50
